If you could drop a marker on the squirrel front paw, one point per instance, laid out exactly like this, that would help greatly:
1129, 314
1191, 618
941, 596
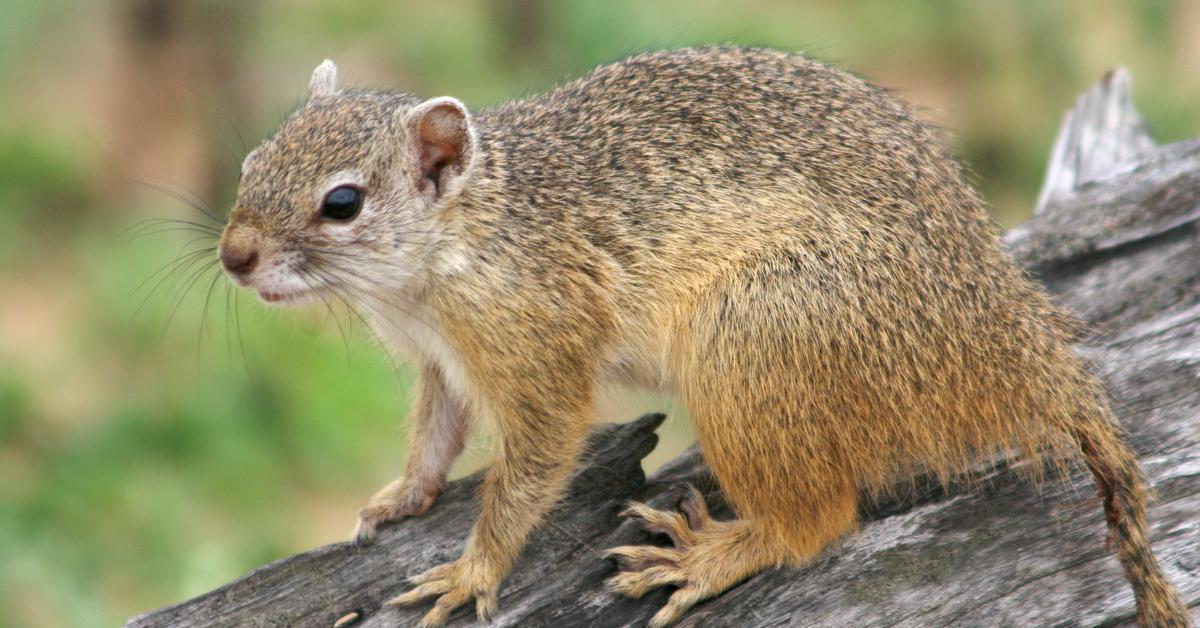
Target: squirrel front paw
400, 499
456, 584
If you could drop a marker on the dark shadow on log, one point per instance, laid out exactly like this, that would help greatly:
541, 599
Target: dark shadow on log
1116, 238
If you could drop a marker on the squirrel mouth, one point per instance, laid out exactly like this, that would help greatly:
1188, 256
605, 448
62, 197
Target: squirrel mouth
285, 298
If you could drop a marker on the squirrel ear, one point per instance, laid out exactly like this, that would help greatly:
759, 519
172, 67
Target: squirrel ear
441, 142
324, 80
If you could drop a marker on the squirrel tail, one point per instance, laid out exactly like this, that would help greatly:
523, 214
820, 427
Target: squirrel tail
1122, 490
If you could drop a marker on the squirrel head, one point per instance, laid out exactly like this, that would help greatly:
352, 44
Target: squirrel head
346, 197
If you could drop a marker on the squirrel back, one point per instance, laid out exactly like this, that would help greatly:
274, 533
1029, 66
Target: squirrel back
658, 174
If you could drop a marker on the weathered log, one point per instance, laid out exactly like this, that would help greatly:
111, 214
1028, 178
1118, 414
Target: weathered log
1116, 237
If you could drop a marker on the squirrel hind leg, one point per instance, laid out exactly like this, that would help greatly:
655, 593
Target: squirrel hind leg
706, 556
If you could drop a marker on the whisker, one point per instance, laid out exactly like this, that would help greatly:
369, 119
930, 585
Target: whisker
196, 239
369, 295
183, 291
365, 301
142, 225
309, 277
228, 330
389, 300
237, 324
180, 268
231, 155
206, 235
178, 260
435, 215
194, 203
204, 313
236, 131
388, 355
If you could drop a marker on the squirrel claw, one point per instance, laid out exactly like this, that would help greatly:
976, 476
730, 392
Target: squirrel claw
393, 502
688, 565
365, 530
680, 528
454, 585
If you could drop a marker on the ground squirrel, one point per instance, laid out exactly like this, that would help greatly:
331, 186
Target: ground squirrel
787, 249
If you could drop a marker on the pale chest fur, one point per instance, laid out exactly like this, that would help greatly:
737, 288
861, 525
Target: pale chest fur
411, 333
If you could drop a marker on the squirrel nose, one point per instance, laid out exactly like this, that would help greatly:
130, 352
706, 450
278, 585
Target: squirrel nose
238, 260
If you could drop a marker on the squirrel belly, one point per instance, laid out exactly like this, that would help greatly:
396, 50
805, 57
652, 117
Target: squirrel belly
786, 248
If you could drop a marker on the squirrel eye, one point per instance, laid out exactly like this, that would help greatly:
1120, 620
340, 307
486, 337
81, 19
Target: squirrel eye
342, 203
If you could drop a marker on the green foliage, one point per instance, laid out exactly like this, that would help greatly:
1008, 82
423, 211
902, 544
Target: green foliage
42, 181
197, 465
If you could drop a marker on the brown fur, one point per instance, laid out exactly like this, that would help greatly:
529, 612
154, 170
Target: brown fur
786, 248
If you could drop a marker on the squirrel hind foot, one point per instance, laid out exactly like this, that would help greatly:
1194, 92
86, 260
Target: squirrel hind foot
706, 557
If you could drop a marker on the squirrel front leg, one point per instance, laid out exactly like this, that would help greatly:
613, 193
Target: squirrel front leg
541, 430
439, 420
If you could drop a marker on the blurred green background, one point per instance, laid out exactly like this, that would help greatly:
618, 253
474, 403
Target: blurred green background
155, 444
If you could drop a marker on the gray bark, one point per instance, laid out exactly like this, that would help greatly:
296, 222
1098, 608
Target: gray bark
1115, 237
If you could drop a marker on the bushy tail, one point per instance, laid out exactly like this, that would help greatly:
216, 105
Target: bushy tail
1121, 488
